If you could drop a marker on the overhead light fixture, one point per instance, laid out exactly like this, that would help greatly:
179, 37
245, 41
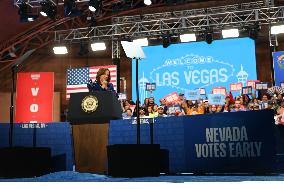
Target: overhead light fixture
277, 29
208, 37
25, 13
94, 5
166, 40
147, 2
60, 50
48, 9
98, 46
187, 37
141, 42
229, 33
70, 8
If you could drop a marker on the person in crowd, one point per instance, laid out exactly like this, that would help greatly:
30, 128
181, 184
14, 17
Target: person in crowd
128, 114
142, 112
220, 108
163, 103
150, 112
237, 106
213, 108
250, 106
155, 110
102, 82
146, 103
161, 112
264, 102
280, 114
227, 108
151, 101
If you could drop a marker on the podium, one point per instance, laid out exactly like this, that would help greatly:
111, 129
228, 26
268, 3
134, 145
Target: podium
89, 114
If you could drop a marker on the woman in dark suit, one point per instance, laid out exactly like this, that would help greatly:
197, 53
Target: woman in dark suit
102, 82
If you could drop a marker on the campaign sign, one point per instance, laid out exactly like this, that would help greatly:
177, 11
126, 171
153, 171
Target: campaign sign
252, 83
239, 142
202, 91
193, 95
219, 90
216, 99
247, 90
278, 65
189, 66
236, 86
261, 86
172, 98
34, 97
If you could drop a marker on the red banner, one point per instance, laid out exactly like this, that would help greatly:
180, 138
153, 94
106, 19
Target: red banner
34, 97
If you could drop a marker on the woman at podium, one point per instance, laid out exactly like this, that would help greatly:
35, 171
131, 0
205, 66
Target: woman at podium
102, 82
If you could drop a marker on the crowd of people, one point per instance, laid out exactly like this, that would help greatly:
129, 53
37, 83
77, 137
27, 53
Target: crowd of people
182, 106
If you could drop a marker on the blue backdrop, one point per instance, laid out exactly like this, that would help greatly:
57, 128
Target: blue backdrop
188, 66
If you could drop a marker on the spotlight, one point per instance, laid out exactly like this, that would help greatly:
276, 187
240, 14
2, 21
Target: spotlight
60, 50
70, 8
253, 31
187, 37
25, 15
166, 40
147, 2
48, 9
208, 37
94, 5
83, 49
229, 33
141, 42
98, 46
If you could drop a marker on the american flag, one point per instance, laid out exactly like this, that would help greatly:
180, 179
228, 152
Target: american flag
77, 78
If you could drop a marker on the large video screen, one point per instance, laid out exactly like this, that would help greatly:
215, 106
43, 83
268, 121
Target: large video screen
189, 66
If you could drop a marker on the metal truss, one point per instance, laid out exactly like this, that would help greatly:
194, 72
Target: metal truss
36, 3
174, 23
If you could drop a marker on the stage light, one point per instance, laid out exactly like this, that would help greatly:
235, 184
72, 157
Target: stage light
147, 2
94, 5
209, 37
187, 37
229, 33
166, 40
60, 50
98, 46
48, 9
83, 49
277, 29
141, 42
24, 13
70, 8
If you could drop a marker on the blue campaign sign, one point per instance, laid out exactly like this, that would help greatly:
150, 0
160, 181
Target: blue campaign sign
216, 99
189, 66
193, 95
278, 62
230, 142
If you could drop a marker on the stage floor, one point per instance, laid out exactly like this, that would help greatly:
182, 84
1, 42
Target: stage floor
71, 176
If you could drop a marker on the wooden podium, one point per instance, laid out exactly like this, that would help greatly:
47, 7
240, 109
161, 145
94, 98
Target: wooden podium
90, 128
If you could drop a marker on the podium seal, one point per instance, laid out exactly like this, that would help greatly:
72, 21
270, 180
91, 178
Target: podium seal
89, 104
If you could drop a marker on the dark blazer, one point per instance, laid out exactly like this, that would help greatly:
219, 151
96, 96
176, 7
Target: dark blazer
97, 87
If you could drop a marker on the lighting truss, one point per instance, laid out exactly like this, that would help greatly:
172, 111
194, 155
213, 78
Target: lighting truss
197, 20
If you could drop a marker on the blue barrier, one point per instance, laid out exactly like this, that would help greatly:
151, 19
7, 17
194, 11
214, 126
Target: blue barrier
239, 142
56, 136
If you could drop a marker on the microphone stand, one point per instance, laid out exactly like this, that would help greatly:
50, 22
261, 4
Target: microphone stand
14, 71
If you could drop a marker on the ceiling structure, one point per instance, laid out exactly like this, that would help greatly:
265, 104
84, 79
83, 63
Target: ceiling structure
127, 18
